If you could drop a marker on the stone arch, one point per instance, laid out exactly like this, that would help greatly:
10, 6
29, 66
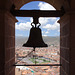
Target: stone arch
55, 3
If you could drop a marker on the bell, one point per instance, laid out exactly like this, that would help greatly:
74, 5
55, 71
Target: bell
35, 39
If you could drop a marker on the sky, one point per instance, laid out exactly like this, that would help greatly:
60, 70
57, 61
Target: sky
49, 25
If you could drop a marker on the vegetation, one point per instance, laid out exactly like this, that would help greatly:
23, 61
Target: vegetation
24, 53
33, 60
43, 60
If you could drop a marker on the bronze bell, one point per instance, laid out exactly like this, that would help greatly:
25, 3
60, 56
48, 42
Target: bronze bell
35, 38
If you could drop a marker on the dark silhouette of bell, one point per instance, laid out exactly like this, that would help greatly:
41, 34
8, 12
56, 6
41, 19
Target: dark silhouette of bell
35, 38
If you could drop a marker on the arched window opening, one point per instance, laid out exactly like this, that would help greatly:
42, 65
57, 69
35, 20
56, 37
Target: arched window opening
51, 35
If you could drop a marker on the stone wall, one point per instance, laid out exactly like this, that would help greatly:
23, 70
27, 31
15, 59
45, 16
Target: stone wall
65, 44
7, 43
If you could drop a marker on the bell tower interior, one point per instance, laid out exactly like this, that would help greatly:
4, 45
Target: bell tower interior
7, 35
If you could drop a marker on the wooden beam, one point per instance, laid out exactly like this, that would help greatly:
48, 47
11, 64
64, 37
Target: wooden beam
37, 13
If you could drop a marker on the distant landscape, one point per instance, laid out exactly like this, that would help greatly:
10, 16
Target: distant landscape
19, 40
48, 55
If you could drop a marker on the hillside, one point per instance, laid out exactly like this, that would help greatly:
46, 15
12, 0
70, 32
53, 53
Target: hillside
19, 41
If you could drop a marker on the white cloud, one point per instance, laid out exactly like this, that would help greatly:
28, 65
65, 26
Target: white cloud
46, 20
45, 6
45, 35
19, 35
23, 26
46, 32
31, 19
52, 27
43, 32
56, 34
58, 30
53, 19
43, 21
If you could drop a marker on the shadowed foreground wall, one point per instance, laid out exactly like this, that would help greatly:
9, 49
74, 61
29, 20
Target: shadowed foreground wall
65, 44
7, 43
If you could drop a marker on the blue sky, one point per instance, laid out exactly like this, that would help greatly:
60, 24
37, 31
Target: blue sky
49, 25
